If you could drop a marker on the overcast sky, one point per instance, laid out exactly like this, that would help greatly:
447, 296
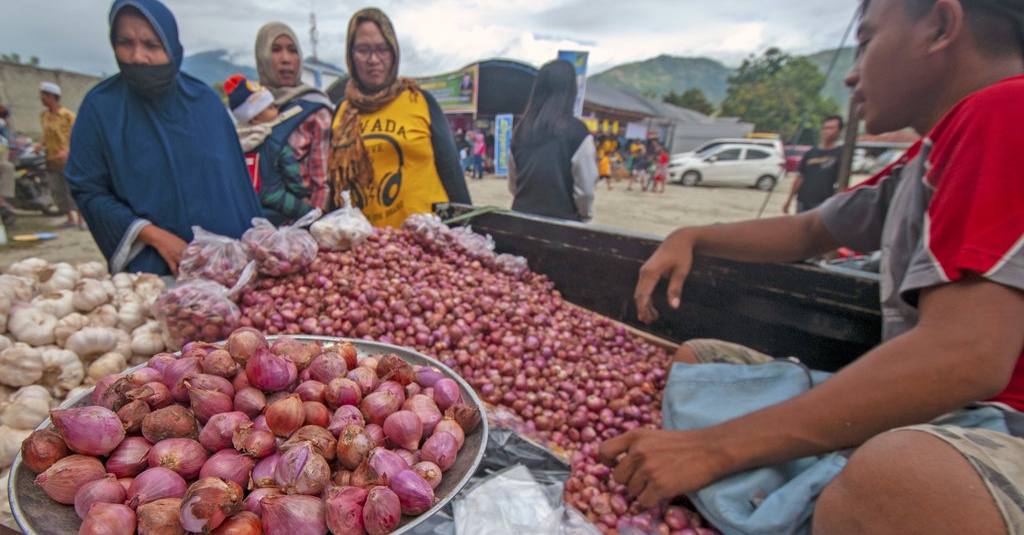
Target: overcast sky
437, 36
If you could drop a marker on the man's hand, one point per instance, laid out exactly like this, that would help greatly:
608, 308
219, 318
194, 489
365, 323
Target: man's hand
672, 260
785, 206
657, 465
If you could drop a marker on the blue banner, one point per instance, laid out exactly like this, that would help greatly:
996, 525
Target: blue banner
579, 62
502, 143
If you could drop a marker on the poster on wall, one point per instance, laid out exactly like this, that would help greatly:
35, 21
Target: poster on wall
456, 91
579, 62
502, 143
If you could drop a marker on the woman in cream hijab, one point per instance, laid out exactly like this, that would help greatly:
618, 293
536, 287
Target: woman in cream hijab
307, 132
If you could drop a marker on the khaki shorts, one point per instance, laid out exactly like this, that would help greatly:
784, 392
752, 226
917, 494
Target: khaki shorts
998, 458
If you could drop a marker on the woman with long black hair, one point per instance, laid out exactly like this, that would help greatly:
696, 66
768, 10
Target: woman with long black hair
553, 166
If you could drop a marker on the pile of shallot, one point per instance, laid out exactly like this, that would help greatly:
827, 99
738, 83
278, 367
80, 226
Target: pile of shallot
573, 377
255, 437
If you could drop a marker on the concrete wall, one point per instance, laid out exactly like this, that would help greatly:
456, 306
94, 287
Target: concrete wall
19, 92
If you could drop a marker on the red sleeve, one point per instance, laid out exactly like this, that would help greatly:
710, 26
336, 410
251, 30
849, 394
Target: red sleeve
976, 215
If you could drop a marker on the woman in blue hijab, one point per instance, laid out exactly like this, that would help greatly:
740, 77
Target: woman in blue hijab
153, 151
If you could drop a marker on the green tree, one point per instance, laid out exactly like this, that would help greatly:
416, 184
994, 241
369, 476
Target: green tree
691, 99
775, 92
13, 57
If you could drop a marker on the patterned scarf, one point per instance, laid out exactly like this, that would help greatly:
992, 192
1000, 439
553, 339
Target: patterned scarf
348, 162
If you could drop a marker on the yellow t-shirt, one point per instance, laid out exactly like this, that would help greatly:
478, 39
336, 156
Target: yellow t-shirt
56, 131
397, 139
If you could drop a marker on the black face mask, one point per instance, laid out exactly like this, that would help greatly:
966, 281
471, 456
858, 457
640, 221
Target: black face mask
151, 81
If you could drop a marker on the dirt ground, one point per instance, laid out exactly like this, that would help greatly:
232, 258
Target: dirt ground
637, 211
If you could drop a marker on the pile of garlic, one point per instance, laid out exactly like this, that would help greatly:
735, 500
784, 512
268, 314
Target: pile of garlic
62, 328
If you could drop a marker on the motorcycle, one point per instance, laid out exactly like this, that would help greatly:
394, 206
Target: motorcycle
31, 192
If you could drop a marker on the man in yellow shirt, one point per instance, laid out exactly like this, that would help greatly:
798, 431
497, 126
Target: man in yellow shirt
57, 121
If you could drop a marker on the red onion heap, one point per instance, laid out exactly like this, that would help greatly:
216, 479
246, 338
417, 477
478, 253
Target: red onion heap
202, 462
571, 377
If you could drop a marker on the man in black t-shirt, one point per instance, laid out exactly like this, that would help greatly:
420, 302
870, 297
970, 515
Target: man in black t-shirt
819, 169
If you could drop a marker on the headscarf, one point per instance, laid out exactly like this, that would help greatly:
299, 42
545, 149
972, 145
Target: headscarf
173, 161
283, 94
348, 162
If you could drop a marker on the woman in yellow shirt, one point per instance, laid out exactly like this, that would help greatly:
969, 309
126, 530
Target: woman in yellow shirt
391, 146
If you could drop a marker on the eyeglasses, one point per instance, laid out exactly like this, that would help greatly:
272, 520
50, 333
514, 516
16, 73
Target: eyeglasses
366, 51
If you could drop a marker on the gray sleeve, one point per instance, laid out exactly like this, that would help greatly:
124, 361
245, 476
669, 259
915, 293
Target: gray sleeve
584, 176
855, 217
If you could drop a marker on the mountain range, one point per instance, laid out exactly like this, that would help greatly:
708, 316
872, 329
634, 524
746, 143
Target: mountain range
656, 77
653, 78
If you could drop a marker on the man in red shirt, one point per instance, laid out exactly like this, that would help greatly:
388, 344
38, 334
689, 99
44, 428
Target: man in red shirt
949, 219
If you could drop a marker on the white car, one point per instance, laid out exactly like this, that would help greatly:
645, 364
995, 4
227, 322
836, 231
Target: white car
729, 165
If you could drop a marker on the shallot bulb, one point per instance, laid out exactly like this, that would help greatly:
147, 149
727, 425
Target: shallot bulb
270, 372
302, 471
41, 449
250, 400
404, 429
322, 441
342, 391
430, 472
377, 406
208, 503
243, 343
354, 445
64, 477
216, 435
89, 430
447, 393
382, 511
106, 490
183, 455
130, 457
206, 403
286, 415
254, 501
108, 519
415, 495
344, 416
230, 465
440, 449
344, 507
387, 462
155, 484
256, 443
160, 517
173, 421
327, 366
449, 425
292, 514
243, 523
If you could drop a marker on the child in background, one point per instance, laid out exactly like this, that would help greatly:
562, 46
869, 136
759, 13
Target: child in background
276, 174
604, 169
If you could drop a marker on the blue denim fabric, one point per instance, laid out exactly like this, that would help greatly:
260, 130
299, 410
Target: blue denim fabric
777, 499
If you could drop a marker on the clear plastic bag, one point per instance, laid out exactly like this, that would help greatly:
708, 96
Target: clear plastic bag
343, 228
200, 310
213, 257
281, 250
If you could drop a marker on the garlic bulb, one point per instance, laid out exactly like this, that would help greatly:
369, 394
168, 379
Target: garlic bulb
28, 268
31, 325
21, 365
5, 343
103, 316
147, 339
124, 343
92, 270
123, 281
67, 326
33, 391
62, 371
5, 309
78, 391
56, 304
10, 443
89, 294
149, 287
91, 342
17, 288
60, 276
25, 413
131, 311
105, 365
